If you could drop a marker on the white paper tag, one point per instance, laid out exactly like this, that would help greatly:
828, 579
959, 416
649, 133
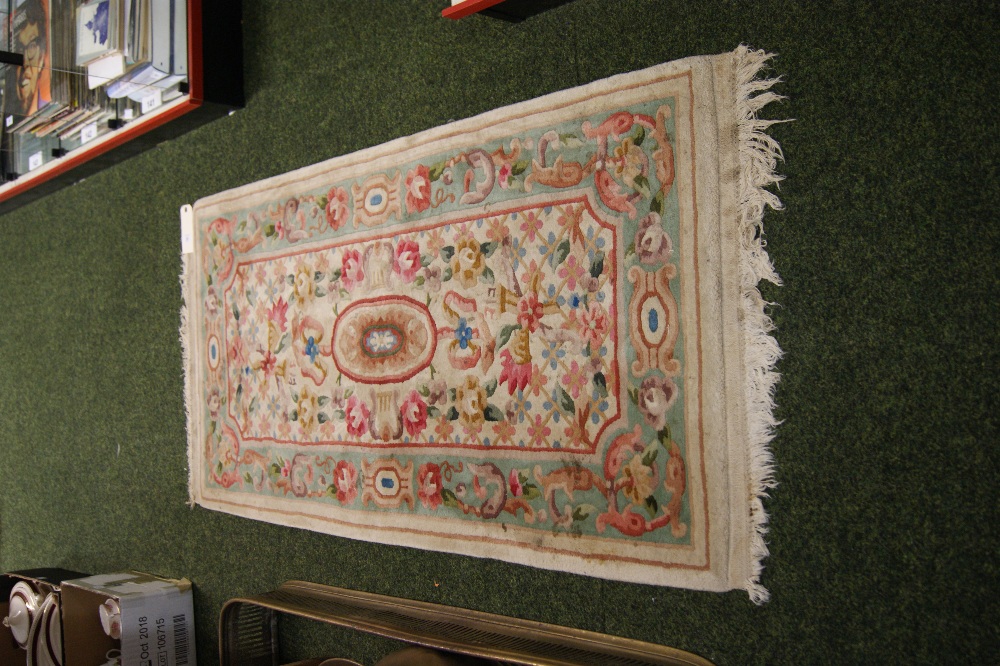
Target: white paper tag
150, 102
35, 161
157, 631
128, 113
88, 133
9, 121
187, 229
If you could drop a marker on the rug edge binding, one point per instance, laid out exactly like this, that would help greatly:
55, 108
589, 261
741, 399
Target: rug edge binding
188, 379
759, 155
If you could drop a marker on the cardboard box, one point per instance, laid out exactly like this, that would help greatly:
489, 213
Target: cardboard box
157, 620
43, 581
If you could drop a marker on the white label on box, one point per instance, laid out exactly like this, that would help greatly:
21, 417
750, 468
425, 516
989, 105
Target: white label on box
150, 102
88, 133
187, 229
157, 630
9, 121
35, 161
127, 114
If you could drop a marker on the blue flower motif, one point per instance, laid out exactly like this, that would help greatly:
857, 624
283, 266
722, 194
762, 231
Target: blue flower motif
575, 301
463, 333
312, 351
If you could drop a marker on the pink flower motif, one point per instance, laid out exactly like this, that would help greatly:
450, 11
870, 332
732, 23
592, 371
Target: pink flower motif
575, 379
538, 381
414, 412
572, 271
345, 480
656, 396
429, 485
337, 210
278, 314
237, 351
286, 469
356, 415
406, 261
514, 483
504, 431
267, 363
504, 176
652, 243
435, 241
538, 431
530, 311
594, 324
444, 428
516, 375
418, 189
352, 270
532, 225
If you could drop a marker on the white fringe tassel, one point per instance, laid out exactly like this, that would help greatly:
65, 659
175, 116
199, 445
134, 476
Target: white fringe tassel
759, 155
188, 379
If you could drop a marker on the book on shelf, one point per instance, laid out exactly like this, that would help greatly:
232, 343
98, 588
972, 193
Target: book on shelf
86, 62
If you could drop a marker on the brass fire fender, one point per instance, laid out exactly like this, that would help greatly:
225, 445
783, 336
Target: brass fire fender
248, 633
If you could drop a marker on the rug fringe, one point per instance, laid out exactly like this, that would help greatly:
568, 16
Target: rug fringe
759, 155
188, 379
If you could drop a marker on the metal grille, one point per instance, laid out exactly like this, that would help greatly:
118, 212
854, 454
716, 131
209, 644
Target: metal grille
509, 640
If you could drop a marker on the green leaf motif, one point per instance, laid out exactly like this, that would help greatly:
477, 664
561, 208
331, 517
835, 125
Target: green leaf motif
581, 513
433, 412
447, 275
638, 136
453, 414
597, 265
436, 170
491, 388
641, 185
570, 141
633, 394
488, 277
269, 231
519, 167
652, 506
656, 205
505, 334
322, 201
559, 256
493, 413
294, 416
649, 454
322, 418
282, 343
601, 384
488, 248
236, 312
565, 401
449, 498
447, 252
531, 492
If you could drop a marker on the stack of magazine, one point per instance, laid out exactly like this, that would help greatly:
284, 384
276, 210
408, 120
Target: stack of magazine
90, 66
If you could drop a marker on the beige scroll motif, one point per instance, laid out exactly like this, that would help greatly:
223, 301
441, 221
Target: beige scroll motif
387, 483
653, 321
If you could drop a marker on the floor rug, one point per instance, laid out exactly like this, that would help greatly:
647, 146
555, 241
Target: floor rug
534, 335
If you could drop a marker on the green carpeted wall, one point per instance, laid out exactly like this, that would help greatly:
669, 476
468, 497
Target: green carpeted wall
884, 527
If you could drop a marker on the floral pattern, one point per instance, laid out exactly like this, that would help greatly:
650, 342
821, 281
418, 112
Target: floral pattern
372, 343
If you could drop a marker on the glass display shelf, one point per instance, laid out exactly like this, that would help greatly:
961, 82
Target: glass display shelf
87, 83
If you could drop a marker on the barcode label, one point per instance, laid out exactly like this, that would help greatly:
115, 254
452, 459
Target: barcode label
181, 644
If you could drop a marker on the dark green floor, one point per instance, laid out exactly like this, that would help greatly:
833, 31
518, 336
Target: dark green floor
884, 528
